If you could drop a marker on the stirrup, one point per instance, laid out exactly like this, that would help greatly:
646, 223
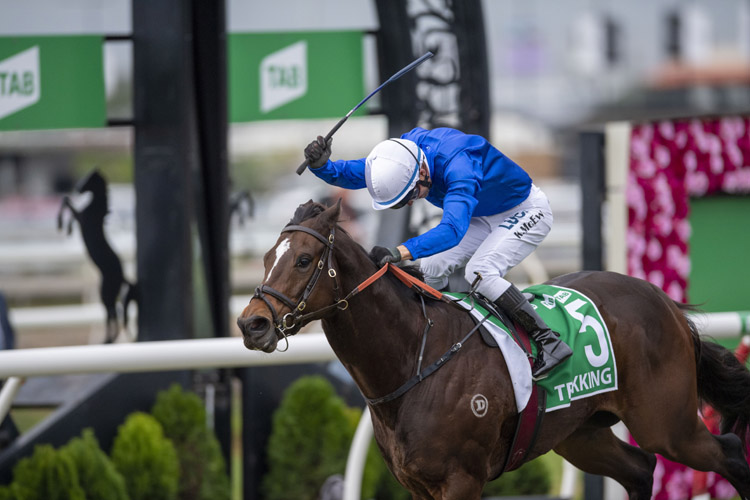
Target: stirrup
540, 363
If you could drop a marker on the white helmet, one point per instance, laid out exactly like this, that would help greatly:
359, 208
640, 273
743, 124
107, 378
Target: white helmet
392, 171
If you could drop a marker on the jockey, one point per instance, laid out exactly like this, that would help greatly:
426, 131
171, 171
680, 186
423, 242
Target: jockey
493, 215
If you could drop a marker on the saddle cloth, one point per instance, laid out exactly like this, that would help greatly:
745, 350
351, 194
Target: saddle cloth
591, 370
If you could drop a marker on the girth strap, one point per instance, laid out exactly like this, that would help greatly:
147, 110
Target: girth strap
530, 418
427, 371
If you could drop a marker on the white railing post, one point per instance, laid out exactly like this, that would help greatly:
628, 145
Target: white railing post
568, 481
355, 463
8, 394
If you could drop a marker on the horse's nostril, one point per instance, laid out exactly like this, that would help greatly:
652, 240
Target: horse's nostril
254, 324
259, 323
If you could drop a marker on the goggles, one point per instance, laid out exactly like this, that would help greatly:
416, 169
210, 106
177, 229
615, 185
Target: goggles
411, 195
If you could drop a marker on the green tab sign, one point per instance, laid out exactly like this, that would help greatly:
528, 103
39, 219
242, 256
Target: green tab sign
51, 82
294, 75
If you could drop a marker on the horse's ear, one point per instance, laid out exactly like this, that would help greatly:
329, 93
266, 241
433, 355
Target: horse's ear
330, 215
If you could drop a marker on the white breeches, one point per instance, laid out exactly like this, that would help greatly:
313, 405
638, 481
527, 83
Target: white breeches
493, 245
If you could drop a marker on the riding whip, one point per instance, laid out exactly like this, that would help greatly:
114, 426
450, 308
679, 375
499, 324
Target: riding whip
395, 77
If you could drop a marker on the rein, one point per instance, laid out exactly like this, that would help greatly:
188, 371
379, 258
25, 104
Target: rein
296, 316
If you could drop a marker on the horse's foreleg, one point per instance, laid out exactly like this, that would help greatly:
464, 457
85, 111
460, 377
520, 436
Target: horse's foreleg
66, 204
457, 484
597, 450
460, 485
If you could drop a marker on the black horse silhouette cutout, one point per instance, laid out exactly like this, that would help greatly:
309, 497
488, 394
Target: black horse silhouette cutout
114, 290
243, 204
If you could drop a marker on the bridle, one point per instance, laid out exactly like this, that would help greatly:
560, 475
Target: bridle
296, 316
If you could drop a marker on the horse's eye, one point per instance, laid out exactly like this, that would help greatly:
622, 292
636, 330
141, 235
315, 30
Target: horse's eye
303, 261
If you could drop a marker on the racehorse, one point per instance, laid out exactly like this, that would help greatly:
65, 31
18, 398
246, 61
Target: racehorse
431, 440
114, 288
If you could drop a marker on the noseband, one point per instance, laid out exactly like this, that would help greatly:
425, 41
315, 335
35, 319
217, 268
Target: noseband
296, 315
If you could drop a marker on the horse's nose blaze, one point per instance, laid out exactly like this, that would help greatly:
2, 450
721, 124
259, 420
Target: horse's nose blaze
254, 325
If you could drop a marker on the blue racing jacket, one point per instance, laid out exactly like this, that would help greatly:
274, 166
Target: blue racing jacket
470, 178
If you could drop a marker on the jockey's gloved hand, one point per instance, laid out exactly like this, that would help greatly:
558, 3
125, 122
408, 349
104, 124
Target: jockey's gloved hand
318, 152
383, 255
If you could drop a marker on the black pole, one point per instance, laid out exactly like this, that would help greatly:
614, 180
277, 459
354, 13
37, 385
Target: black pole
210, 63
395, 50
210, 70
398, 101
165, 153
181, 177
474, 108
592, 198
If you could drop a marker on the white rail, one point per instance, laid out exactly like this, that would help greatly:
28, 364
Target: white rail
722, 324
157, 356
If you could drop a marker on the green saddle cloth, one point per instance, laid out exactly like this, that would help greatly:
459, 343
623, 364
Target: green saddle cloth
592, 368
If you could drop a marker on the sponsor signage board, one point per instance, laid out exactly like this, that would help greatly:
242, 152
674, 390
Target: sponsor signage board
295, 75
51, 82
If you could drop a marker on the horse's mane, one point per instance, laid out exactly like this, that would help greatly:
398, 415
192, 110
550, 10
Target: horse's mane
306, 211
312, 209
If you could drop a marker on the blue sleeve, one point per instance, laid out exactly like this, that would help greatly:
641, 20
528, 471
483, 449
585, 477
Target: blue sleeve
348, 174
462, 180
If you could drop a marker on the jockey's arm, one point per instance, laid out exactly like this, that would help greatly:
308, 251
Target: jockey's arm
405, 253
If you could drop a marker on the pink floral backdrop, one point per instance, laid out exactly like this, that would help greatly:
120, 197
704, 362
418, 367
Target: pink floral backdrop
671, 161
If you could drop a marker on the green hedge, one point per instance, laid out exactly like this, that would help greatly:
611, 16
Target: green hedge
203, 474
97, 475
48, 474
532, 478
311, 432
78, 471
146, 459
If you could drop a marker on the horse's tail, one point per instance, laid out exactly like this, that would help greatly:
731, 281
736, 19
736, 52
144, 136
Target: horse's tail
723, 382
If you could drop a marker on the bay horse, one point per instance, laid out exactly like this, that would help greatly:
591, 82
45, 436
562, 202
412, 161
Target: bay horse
431, 440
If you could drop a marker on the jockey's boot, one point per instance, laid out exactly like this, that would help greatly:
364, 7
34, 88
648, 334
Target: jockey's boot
551, 350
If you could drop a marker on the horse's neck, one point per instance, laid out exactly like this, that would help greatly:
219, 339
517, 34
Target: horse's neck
377, 336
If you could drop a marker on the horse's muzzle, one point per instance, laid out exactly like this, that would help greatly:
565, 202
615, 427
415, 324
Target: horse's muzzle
258, 333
